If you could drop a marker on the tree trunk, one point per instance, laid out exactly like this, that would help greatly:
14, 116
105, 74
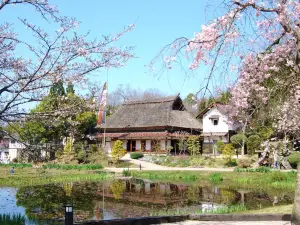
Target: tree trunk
296, 210
243, 144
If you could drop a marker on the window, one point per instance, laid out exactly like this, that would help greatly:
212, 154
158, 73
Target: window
215, 122
12, 141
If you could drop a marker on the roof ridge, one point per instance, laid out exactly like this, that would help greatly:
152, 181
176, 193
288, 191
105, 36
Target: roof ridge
154, 100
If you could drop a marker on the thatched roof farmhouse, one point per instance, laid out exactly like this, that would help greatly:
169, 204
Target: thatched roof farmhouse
150, 124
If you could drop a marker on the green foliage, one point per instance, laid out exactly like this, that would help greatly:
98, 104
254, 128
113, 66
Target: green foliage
193, 145
73, 167
215, 177
244, 162
118, 151
198, 161
220, 146
266, 133
227, 209
237, 140
70, 89
126, 173
81, 156
228, 151
136, 155
253, 144
261, 169
93, 148
231, 163
294, 159
190, 99
68, 146
16, 165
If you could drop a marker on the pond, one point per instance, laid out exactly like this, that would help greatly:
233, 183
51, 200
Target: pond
128, 198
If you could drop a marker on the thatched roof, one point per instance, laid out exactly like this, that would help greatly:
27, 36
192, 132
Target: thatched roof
160, 112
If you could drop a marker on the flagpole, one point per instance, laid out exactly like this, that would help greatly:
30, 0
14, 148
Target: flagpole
104, 114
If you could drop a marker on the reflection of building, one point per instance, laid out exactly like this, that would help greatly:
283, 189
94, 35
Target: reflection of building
152, 125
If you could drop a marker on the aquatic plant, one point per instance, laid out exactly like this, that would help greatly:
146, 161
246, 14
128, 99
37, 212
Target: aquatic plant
126, 173
261, 169
166, 175
216, 177
16, 181
12, 219
188, 211
73, 167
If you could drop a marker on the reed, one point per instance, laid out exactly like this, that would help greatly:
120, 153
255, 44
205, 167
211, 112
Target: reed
188, 211
15, 181
12, 219
16, 165
216, 178
73, 167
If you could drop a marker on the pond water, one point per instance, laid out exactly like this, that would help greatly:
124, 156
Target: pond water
128, 198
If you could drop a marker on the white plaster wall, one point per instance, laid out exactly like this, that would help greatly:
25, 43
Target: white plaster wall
16, 145
138, 145
169, 143
163, 145
13, 153
208, 125
125, 144
148, 145
108, 146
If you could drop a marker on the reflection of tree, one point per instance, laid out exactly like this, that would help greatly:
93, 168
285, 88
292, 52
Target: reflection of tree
44, 202
227, 196
68, 188
117, 188
193, 193
83, 196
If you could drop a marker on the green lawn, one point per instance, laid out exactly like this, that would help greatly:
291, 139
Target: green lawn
282, 209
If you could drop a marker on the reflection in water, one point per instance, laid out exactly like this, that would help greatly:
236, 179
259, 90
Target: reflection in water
131, 198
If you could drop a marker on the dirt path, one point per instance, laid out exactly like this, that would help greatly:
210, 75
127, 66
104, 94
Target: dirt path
147, 166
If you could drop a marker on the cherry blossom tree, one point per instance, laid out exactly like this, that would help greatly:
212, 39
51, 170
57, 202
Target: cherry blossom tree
50, 57
256, 38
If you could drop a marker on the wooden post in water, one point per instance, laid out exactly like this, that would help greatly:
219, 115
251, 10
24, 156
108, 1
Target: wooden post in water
296, 209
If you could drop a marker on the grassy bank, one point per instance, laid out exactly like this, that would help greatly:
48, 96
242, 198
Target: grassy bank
254, 180
282, 209
38, 176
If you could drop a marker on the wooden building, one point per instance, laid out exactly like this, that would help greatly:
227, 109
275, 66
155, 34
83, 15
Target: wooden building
150, 125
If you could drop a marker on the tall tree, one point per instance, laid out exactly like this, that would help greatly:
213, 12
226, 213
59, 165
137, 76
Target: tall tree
62, 54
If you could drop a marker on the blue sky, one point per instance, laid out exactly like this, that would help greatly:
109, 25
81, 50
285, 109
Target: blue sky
157, 24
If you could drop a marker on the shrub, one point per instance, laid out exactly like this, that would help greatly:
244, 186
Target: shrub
228, 151
93, 148
244, 163
117, 151
193, 145
253, 144
197, 161
81, 156
220, 146
294, 159
136, 155
238, 140
231, 163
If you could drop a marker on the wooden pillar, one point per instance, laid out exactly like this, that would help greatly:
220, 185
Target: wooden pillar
296, 209
130, 145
